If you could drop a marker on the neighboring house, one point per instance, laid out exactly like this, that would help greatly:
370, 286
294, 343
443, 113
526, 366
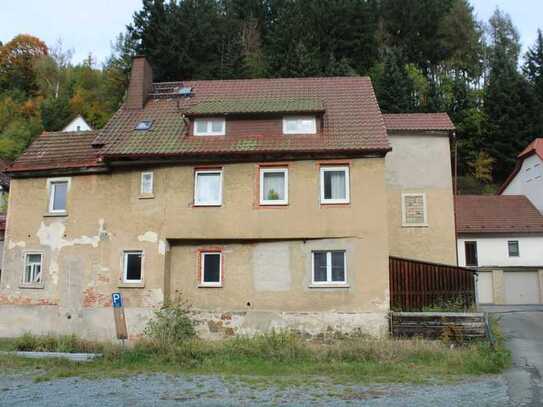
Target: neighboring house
263, 203
77, 124
527, 176
502, 236
420, 190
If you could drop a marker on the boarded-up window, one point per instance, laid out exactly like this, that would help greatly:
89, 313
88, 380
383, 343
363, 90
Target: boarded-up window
414, 210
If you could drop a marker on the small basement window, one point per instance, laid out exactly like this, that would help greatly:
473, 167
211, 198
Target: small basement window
33, 268
144, 125
335, 185
211, 272
300, 125
209, 127
329, 267
513, 248
146, 187
414, 209
58, 195
133, 266
273, 186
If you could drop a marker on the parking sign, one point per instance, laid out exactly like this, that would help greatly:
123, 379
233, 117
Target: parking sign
117, 300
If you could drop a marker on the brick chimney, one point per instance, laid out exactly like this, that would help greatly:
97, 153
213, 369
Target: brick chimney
141, 83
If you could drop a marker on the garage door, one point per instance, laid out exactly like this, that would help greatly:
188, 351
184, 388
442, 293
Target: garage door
485, 288
521, 287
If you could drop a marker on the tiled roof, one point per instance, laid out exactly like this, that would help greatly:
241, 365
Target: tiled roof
497, 214
220, 106
535, 146
352, 121
418, 121
59, 150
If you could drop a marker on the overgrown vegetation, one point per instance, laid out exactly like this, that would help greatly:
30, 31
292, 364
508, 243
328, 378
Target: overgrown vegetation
171, 324
282, 354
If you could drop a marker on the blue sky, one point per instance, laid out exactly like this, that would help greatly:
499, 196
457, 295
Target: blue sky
89, 26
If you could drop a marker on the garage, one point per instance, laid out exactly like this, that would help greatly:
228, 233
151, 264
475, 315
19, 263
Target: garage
485, 287
521, 287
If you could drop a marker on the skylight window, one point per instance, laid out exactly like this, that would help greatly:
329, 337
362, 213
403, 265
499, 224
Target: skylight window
144, 125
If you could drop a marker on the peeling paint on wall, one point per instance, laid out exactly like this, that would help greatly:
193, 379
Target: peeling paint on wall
52, 236
12, 245
149, 236
163, 247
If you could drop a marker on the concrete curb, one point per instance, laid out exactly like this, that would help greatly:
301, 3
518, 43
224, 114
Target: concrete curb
74, 357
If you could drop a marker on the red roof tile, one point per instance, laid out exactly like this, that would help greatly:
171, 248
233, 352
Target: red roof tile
352, 121
535, 147
58, 150
418, 121
497, 214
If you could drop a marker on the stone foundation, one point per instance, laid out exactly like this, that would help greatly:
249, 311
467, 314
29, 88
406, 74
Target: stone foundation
98, 324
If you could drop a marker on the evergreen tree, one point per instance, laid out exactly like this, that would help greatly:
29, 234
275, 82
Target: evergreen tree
533, 70
395, 88
509, 100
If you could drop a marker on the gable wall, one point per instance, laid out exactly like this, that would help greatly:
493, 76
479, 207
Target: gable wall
417, 163
528, 181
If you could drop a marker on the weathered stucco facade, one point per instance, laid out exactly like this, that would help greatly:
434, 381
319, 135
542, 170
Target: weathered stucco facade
266, 252
420, 162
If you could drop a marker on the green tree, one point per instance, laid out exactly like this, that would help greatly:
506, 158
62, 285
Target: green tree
395, 87
533, 70
509, 99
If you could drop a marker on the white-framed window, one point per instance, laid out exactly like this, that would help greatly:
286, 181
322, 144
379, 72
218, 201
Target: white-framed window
335, 185
209, 127
513, 249
147, 180
58, 195
273, 186
33, 267
329, 267
208, 187
211, 269
414, 211
299, 125
132, 266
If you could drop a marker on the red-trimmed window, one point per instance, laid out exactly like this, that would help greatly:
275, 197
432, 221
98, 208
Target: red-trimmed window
211, 268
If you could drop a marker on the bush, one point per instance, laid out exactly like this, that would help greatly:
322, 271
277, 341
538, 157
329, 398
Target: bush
171, 324
54, 343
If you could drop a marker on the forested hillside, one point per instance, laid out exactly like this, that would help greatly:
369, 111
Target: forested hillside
423, 56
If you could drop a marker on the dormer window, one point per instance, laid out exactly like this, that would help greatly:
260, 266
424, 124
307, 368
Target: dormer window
299, 125
144, 125
209, 127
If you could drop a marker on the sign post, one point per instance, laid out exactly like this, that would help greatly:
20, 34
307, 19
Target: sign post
118, 314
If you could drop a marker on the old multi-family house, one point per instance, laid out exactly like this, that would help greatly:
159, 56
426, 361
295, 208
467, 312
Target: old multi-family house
263, 203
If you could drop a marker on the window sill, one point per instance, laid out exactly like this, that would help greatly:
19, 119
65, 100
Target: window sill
132, 285
146, 196
336, 203
32, 286
209, 285
421, 225
206, 205
340, 285
56, 215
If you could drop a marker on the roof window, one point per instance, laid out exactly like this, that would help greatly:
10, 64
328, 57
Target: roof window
144, 125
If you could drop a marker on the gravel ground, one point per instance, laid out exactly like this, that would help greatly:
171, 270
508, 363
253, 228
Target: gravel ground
164, 390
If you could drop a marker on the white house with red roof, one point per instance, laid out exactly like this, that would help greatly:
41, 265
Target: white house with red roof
527, 177
502, 237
